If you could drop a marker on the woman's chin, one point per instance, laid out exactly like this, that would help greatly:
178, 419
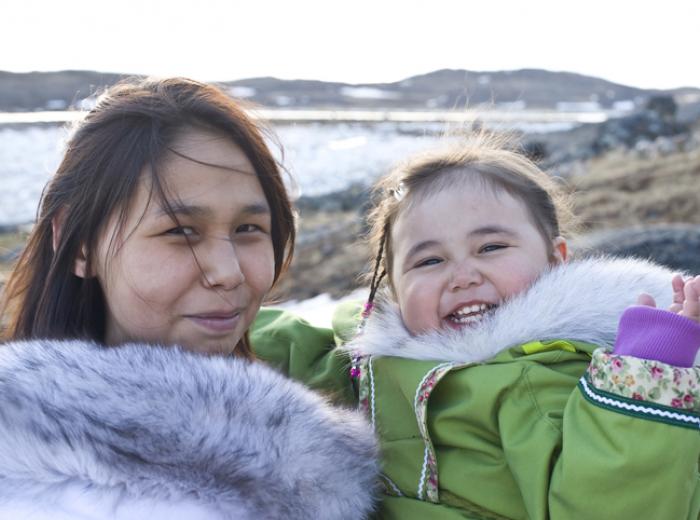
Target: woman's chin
207, 345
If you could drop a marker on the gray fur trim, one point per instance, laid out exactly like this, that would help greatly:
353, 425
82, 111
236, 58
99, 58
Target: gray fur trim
140, 422
581, 300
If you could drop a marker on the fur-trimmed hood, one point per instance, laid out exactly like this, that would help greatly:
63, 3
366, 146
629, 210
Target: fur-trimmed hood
581, 300
149, 432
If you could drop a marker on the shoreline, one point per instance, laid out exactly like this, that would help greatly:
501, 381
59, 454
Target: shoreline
321, 115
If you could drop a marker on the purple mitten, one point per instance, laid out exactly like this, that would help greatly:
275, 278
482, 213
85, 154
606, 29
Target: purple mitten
650, 333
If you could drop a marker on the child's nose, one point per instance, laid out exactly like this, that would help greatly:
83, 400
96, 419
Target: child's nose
465, 275
221, 267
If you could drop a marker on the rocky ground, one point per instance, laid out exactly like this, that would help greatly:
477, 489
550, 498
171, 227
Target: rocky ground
636, 189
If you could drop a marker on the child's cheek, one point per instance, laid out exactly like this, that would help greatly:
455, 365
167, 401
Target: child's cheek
419, 303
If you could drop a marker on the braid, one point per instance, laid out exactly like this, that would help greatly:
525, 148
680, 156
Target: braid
379, 272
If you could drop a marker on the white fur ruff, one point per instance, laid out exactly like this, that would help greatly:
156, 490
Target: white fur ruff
150, 432
582, 300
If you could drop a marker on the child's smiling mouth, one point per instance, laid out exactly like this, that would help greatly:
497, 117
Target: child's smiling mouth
469, 314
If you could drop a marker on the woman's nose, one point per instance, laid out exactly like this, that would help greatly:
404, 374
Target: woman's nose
221, 266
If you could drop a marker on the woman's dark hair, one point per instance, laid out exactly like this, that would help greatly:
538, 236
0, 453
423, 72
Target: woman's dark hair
124, 137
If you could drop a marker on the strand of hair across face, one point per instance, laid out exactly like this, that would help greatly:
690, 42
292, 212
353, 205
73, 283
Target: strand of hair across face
377, 276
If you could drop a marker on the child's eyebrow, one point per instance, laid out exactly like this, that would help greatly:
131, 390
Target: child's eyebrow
493, 230
420, 246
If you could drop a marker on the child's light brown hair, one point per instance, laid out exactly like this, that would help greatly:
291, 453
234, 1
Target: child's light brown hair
493, 161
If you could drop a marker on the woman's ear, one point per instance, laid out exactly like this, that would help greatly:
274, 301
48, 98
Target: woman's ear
560, 250
80, 264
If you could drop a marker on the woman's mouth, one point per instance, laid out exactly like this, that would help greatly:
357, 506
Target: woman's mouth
217, 323
468, 315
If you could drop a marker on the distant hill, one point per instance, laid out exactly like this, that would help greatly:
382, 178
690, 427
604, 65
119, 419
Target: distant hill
50, 90
446, 89
442, 89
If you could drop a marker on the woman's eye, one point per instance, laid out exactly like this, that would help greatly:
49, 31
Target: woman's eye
488, 248
248, 228
181, 231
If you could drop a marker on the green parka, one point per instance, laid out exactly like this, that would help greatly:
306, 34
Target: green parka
509, 420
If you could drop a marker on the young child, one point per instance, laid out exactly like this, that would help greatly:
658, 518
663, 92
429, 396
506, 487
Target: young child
127, 389
481, 367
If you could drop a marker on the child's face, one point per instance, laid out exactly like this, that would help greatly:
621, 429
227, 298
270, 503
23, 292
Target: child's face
156, 290
460, 253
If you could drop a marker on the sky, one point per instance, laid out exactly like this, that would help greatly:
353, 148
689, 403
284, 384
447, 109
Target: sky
647, 44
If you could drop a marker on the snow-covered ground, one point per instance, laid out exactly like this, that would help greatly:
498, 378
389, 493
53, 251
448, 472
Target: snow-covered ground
319, 310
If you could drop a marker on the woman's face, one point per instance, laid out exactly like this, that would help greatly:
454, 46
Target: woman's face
156, 289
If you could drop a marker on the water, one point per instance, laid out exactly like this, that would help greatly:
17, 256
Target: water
28, 156
323, 156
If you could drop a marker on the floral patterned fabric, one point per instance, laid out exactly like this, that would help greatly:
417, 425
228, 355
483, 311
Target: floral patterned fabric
646, 380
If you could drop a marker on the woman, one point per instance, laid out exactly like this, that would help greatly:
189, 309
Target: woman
166, 223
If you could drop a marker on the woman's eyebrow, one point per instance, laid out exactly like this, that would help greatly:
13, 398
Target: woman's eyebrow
179, 208
258, 208
193, 210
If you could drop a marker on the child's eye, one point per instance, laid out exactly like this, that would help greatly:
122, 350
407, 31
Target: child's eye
428, 261
488, 248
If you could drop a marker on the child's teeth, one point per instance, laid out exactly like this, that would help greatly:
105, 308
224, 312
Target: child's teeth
471, 313
468, 319
471, 309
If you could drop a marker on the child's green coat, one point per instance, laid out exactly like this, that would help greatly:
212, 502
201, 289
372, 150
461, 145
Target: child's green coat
303, 352
531, 432
510, 439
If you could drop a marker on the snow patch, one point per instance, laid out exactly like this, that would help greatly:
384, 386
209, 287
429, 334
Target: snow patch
368, 93
319, 310
241, 91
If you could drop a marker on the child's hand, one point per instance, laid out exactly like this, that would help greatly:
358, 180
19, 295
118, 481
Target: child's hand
686, 297
664, 336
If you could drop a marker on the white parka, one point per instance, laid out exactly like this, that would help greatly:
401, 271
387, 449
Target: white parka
139, 431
